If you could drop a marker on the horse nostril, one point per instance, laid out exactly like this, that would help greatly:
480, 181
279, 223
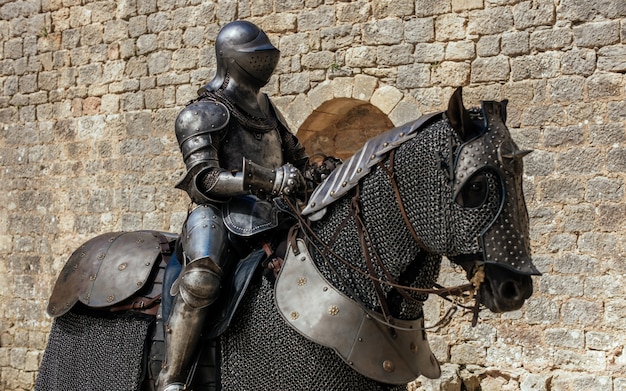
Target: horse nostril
509, 290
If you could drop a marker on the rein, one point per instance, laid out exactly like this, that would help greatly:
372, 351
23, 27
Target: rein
364, 237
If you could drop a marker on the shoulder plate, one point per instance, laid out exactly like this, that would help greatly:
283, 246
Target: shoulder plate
348, 175
200, 117
107, 269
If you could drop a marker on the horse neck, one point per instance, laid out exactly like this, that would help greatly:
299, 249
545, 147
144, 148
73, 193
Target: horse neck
387, 240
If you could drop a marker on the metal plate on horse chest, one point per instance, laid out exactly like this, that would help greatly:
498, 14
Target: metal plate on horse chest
263, 148
105, 270
313, 307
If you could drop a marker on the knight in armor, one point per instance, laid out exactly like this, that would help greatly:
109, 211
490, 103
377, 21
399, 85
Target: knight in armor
239, 155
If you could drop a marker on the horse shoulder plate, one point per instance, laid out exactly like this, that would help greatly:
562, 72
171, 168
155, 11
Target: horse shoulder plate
105, 270
313, 307
346, 176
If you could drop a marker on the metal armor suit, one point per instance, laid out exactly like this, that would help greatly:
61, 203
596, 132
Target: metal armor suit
238, 152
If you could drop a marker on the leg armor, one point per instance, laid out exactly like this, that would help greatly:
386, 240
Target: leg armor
204, 241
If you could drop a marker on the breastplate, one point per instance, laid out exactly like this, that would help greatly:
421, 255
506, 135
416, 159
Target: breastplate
263, 148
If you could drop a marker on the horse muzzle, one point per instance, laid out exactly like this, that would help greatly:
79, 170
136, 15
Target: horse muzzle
504, 289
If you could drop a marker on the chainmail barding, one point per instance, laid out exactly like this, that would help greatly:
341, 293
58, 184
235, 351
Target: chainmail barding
261, 352
92, 353
422, 170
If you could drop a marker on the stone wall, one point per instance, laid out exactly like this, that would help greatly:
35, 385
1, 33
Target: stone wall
90, 89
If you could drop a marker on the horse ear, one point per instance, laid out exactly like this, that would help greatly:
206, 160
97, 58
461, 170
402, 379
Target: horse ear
459, 117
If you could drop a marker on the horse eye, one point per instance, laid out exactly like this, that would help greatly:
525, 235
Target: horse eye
474, 192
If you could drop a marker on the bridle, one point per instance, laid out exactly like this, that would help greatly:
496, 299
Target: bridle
458, 295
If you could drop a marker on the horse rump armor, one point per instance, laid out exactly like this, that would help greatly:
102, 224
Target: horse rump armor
109, 269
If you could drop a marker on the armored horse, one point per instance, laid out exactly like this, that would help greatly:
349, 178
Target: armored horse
345, 309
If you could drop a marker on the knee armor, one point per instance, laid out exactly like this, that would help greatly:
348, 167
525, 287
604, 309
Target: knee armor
199, 284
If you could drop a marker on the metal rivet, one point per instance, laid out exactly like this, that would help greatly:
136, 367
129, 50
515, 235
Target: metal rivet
333, 310
388, 366
122, 266
302, 281
294, 315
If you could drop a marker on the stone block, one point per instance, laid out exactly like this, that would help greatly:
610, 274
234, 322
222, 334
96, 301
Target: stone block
578, 264
318, 60
450, 73
323, 16
581, 11
388, 31
540, 66
552, 39
515, 43
461, 50
578, 62
429, 53
394, 55
604, 189
604, 341
91, 34
364, 87
386, 8
604, 85
611, 217
490, 21
605, 286
333, 38
405, 111
468, 353
419, 30
321, 93
431, 7
615, 314
509, 357
541, 310
580, 161
597, 34
583, 312
600, 244
616, 160
412, 76
450, 380
115, 30
490, 69
450, 27
354, 12
361, 56
612, 58
294, 83
535, 382
342, 87
279, 23
465, 5
569, 338
563, 381
528, 14
561, 285
386, 98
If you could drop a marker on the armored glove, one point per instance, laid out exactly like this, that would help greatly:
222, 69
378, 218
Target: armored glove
261, 181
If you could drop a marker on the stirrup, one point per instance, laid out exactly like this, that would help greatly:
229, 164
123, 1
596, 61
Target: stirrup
175, 387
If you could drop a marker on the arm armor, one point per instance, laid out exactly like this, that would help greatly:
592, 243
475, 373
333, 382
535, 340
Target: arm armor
197, 128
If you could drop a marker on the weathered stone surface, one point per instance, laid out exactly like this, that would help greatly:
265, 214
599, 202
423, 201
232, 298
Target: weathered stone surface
612, 58
490, 21
90, 91
533, 13
490, 69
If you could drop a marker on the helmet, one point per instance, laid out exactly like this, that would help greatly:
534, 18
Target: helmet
244, 53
